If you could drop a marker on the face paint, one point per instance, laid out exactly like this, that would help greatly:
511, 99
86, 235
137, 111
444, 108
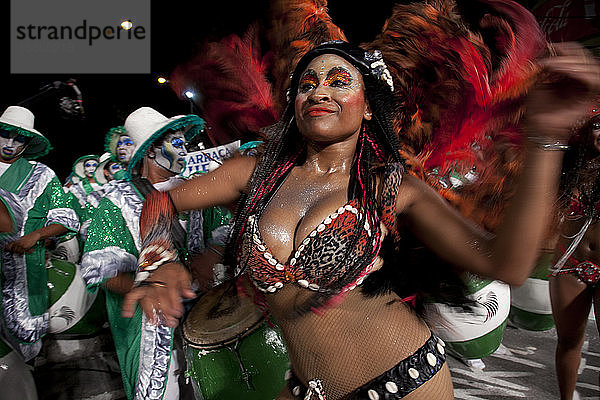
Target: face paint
125, 149
330, 104
12, 145
171, 153
89, 167
111, 169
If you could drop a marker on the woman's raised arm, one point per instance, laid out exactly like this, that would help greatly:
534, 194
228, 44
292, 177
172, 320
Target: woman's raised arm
552, 109
219, 187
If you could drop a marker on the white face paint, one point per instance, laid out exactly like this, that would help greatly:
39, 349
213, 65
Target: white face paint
89, 167
111, 169
125, 149
170, 154
12, 145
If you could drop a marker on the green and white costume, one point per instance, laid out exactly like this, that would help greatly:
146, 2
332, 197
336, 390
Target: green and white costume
34, 197
112, 247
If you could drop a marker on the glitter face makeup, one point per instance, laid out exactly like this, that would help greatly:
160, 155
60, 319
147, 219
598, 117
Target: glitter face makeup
12, 145
330, 104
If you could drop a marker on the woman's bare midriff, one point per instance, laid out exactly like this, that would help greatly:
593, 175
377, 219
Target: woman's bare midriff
349, 344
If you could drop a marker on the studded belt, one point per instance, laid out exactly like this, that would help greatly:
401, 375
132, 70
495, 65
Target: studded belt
395, 383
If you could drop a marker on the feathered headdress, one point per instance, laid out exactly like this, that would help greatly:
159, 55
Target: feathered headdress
231, 76
460, 94
297, 26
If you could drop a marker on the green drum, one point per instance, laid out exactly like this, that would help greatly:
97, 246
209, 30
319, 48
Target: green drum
477, 333
530, 303
232, 351
73, 309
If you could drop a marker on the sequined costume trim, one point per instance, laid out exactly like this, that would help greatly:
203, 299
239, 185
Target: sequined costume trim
65, 217
100, 265
123, 196
155, 357
405, 377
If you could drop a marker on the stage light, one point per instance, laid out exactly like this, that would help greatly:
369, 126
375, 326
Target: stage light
127, 24
189, 94
162, 80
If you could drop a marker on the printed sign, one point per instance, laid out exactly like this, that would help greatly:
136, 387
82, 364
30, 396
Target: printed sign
209, 159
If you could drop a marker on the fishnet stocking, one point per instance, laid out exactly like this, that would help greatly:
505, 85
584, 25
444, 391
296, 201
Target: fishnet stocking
350, 344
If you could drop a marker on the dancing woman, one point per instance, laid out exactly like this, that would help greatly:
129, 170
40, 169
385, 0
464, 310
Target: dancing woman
314, 211
574, 282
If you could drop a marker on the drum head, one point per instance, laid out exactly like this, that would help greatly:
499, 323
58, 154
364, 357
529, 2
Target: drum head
220, 317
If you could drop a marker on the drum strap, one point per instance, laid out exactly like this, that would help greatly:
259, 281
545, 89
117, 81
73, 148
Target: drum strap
144, 187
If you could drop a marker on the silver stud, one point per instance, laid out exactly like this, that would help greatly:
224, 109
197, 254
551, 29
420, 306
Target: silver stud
413, 373
271, 289
278, 285
301, 247
297, 254
293, 262
306, 241
321, 228
313, 234
391, 387
261, 247
313, 286
288, 375
268, 256
440, 341
340, 210
272, 261
373, 395
279, 267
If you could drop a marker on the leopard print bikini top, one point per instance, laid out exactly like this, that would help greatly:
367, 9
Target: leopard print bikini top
321, 259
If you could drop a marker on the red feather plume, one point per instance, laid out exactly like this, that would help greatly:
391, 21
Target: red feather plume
231, 76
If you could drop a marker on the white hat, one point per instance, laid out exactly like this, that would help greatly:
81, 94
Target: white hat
78, 167
146, 125
99, 173
20, 120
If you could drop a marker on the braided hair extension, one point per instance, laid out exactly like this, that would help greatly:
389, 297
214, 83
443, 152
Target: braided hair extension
581, 170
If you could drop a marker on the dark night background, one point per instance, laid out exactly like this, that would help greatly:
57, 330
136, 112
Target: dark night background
177, 28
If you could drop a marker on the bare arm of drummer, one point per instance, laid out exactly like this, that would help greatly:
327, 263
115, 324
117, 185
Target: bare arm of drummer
222, 186
25, 243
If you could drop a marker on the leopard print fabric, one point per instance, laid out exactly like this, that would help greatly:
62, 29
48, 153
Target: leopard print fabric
322, 259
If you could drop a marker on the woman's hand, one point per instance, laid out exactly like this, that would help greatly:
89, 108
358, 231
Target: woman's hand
161, 299
24, 244
572, 81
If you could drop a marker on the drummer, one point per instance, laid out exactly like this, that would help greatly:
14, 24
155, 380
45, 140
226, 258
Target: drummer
113, 245
36, 207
